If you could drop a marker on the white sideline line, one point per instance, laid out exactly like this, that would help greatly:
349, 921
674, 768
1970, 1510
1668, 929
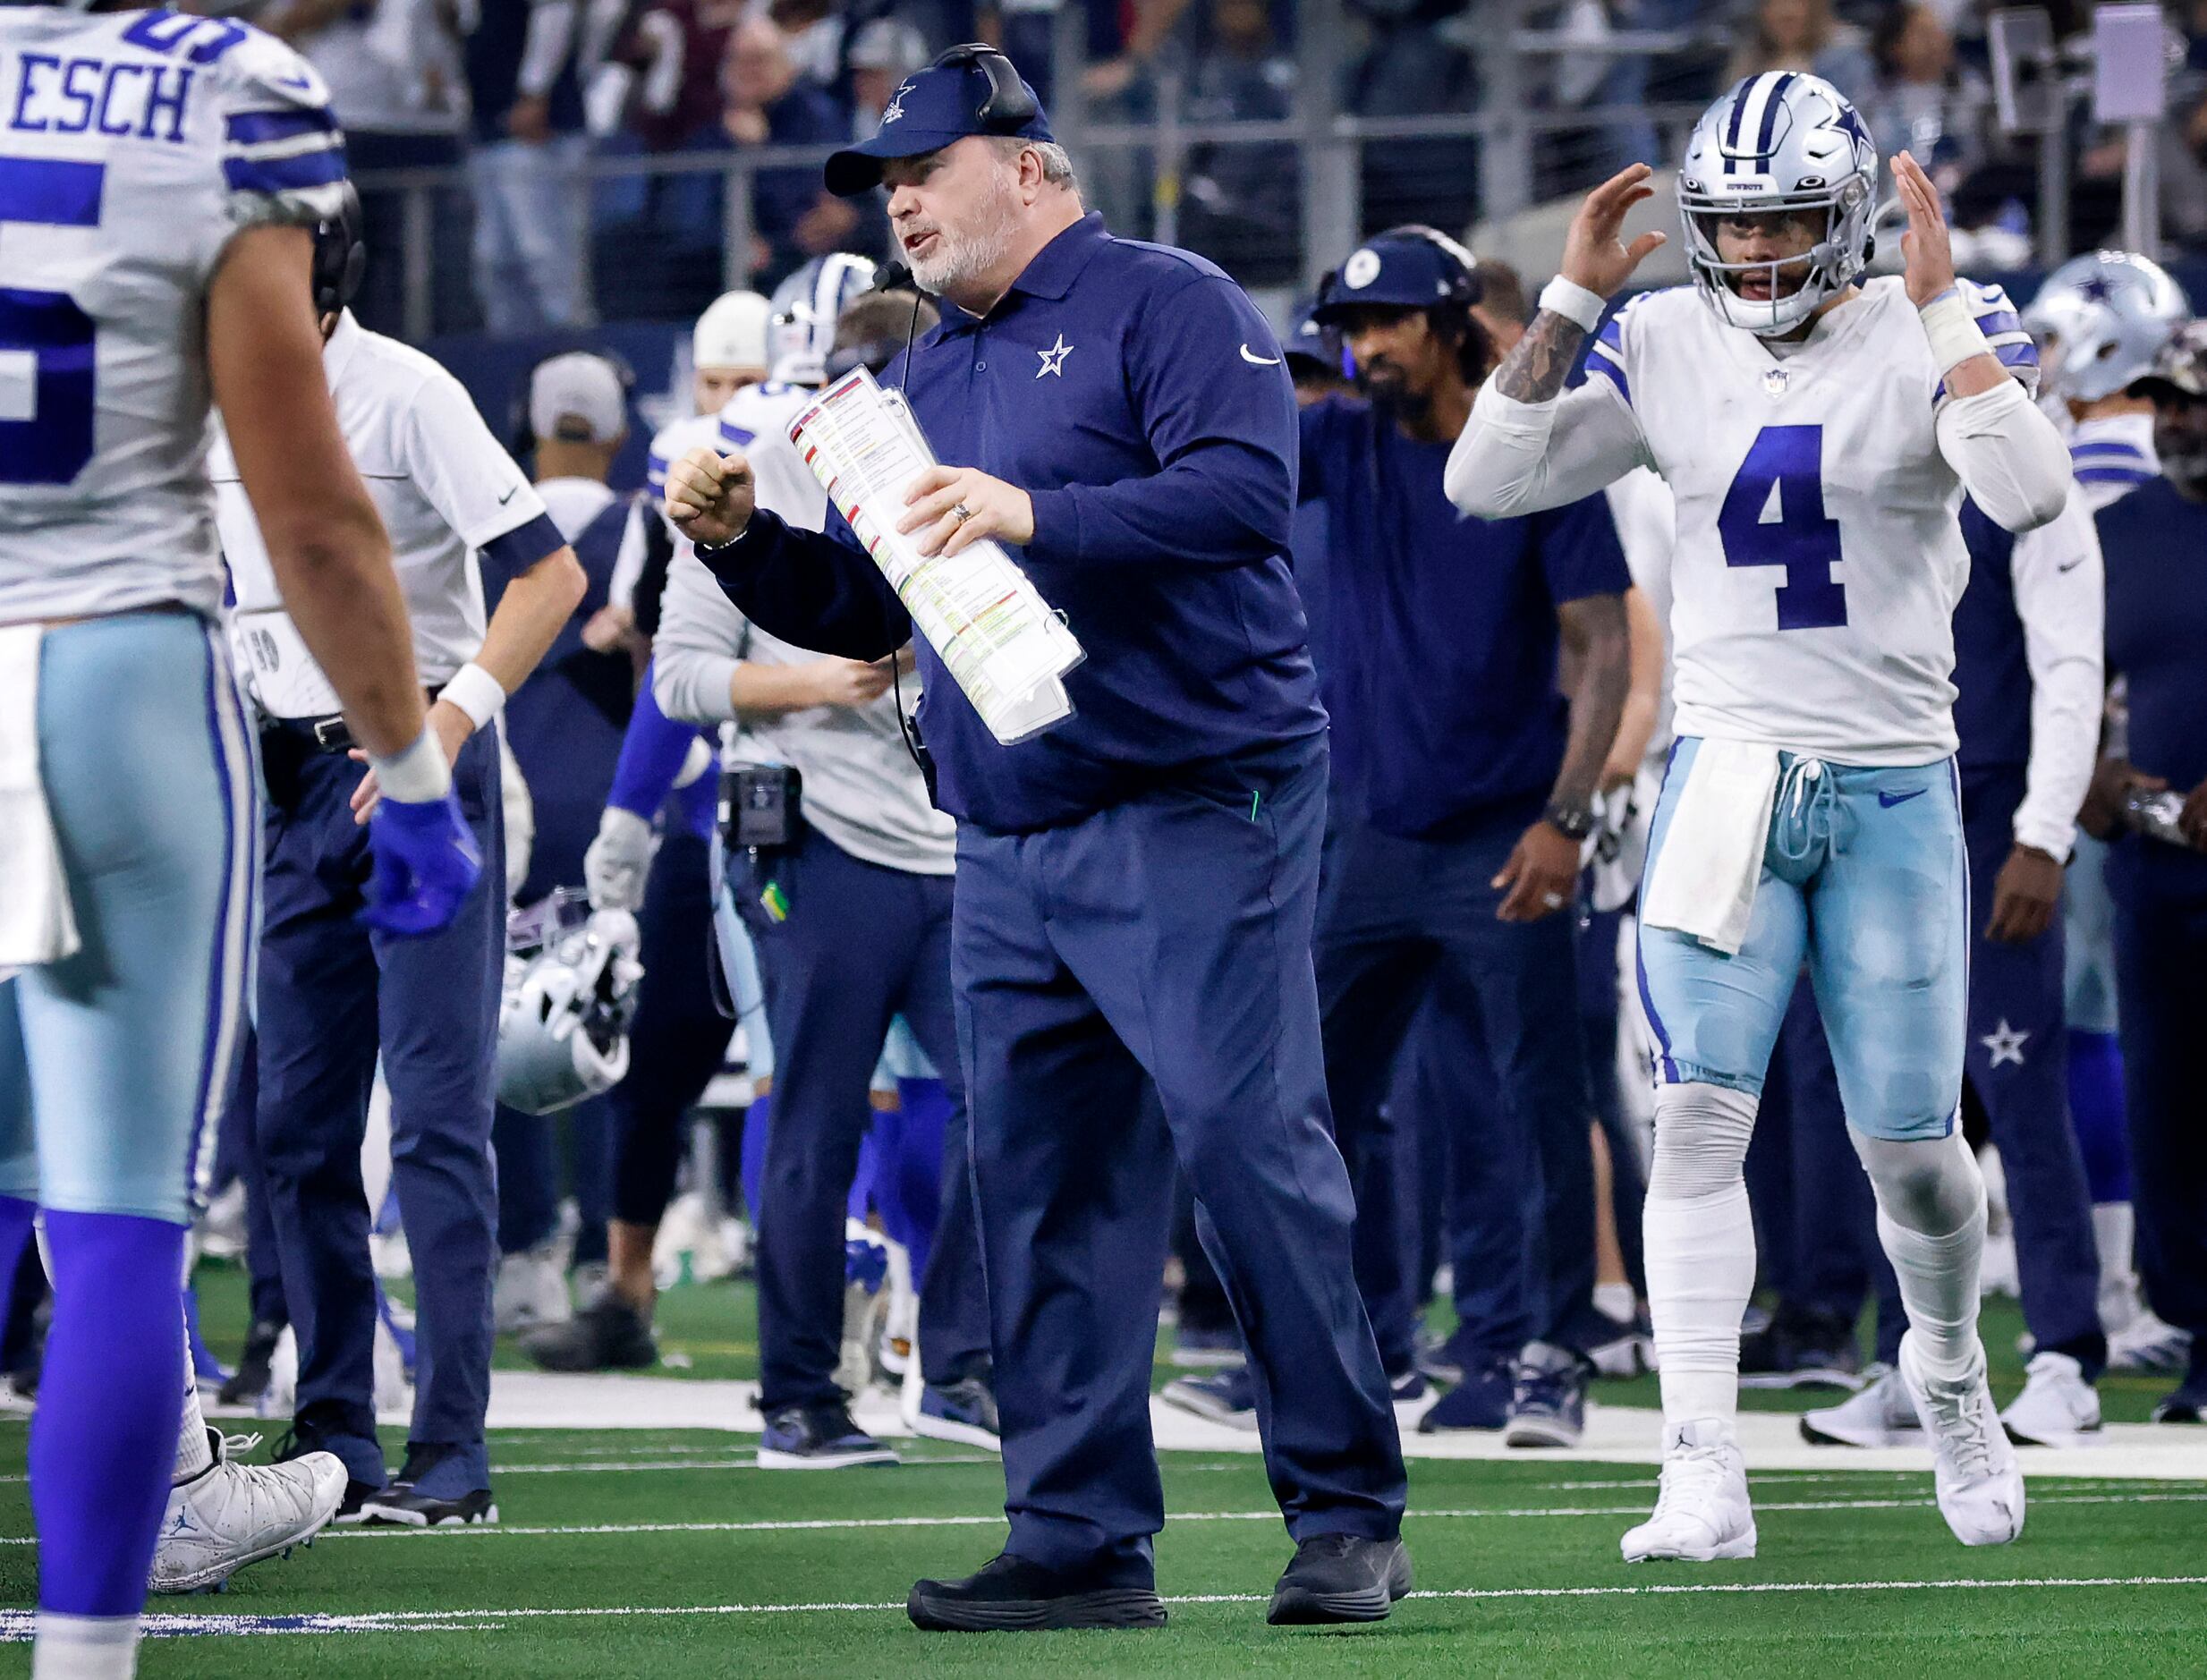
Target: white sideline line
995, 1519
17, 1625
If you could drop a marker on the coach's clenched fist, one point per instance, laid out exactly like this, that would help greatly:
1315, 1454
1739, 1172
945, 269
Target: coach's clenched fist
710, 497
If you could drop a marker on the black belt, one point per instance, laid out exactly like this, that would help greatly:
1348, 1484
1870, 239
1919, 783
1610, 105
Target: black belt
331, 734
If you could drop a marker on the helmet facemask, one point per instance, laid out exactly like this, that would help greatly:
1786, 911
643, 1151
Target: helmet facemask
1832, 263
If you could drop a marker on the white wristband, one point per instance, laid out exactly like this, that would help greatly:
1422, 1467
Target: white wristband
417, 777
475, 692
1574, 302
1953, 331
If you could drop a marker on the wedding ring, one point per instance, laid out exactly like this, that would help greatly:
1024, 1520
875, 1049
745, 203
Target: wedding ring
961, 513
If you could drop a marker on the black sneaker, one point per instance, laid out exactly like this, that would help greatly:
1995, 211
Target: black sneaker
1009, 1593
1800, 1349
1481, 1401
609, 1335
250, 1381
1229, 1398
1340, 1578
818, 1438
410, 1502
311, 1432
2187, 1403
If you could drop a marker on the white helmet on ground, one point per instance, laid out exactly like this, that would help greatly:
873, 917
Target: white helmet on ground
570, 999
732, 333
1780, 141
806, 308
2100, 319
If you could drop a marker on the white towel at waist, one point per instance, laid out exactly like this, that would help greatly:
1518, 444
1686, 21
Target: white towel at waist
1704, 884
36, 923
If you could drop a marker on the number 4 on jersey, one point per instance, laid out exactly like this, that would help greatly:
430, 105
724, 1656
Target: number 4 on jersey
1773, 515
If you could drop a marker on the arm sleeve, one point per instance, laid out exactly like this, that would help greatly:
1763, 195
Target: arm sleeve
815, 589
2008, 454
1222, 426
1520, 457
698, 645
1580, 553
2060, 596
653, 752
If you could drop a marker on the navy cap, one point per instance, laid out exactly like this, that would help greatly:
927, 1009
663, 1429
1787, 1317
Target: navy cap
1411, 268
952, 97
1310, 339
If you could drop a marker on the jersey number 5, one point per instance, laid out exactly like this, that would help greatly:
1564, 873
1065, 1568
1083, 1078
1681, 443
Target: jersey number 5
47, 338
1773, 515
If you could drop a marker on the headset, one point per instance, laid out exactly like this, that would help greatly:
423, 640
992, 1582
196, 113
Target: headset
340, 253
1476, 354
1009, 106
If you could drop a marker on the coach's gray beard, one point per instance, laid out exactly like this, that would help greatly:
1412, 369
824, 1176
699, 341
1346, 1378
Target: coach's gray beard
972, 254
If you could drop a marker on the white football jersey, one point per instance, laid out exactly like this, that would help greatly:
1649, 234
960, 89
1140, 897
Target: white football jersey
2112, 456
132, 146
1818, 558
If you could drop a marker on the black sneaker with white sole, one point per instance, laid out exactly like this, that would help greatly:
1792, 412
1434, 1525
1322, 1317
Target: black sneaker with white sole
1340, 1578
1011, 1594
609, 1335
819, 1437
422, 1499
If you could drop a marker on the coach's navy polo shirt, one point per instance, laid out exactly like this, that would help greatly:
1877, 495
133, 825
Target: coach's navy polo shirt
1142, 401
2155, 546
1443, 627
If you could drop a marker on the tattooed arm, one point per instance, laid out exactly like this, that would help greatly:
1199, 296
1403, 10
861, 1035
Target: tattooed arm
1525, 449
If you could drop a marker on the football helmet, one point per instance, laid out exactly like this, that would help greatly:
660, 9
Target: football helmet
2100, 319
571, 977
801, 331
1779, 141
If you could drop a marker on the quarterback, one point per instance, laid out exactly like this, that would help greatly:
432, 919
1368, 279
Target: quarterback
1819, 431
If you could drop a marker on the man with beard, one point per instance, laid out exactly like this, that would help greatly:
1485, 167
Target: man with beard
1136, 887
1475, 779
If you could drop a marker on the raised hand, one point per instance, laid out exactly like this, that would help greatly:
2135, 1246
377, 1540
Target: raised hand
1594, 254
1926, 245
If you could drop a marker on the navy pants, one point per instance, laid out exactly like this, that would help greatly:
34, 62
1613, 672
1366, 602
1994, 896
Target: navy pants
2160, 955
679, 1038
1169, 934
859, 944
331, 993
2017, 1072
1406, 920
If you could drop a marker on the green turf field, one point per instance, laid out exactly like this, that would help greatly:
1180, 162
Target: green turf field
664, 1555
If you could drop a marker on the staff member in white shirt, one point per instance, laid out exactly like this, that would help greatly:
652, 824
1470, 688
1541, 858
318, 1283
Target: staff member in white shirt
333, 992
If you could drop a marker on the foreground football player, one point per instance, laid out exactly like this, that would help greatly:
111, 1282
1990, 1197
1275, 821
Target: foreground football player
1819, 433
162, 257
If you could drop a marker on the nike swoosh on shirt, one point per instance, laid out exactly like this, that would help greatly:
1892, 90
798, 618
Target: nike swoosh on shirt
2072, 565
507, 497
1891, 800
1255, 361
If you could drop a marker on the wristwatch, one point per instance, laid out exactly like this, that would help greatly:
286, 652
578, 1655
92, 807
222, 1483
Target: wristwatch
1575, 822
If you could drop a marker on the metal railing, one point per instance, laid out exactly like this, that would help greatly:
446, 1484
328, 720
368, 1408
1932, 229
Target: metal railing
1140, 171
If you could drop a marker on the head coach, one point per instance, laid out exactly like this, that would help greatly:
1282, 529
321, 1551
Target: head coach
1136, 888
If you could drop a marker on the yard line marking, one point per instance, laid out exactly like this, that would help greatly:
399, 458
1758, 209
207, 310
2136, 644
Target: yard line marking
799, 1525
18, 1625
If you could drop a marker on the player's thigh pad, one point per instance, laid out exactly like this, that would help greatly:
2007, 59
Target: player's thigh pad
131, 1045
1889, 915
1715, 1017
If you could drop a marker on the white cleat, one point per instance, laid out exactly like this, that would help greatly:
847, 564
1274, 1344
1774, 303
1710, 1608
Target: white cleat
2057, 1407
1701, 1508
1974, 1464
1881, 1415
232, 1514
2146, 1344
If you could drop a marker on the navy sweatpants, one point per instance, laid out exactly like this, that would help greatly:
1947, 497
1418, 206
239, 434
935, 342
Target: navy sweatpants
331, 993
1168, 934
859, 944
1407, 919
2161, 953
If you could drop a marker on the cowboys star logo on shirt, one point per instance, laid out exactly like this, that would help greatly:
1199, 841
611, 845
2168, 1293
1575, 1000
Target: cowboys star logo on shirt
1054, 357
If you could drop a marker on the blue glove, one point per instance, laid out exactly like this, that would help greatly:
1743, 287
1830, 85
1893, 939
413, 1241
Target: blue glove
426, 863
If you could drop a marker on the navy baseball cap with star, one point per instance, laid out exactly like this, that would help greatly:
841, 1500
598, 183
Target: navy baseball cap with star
968, 90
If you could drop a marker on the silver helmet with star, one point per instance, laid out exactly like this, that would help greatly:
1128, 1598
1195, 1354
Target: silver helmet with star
1780, 141
2100, 319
